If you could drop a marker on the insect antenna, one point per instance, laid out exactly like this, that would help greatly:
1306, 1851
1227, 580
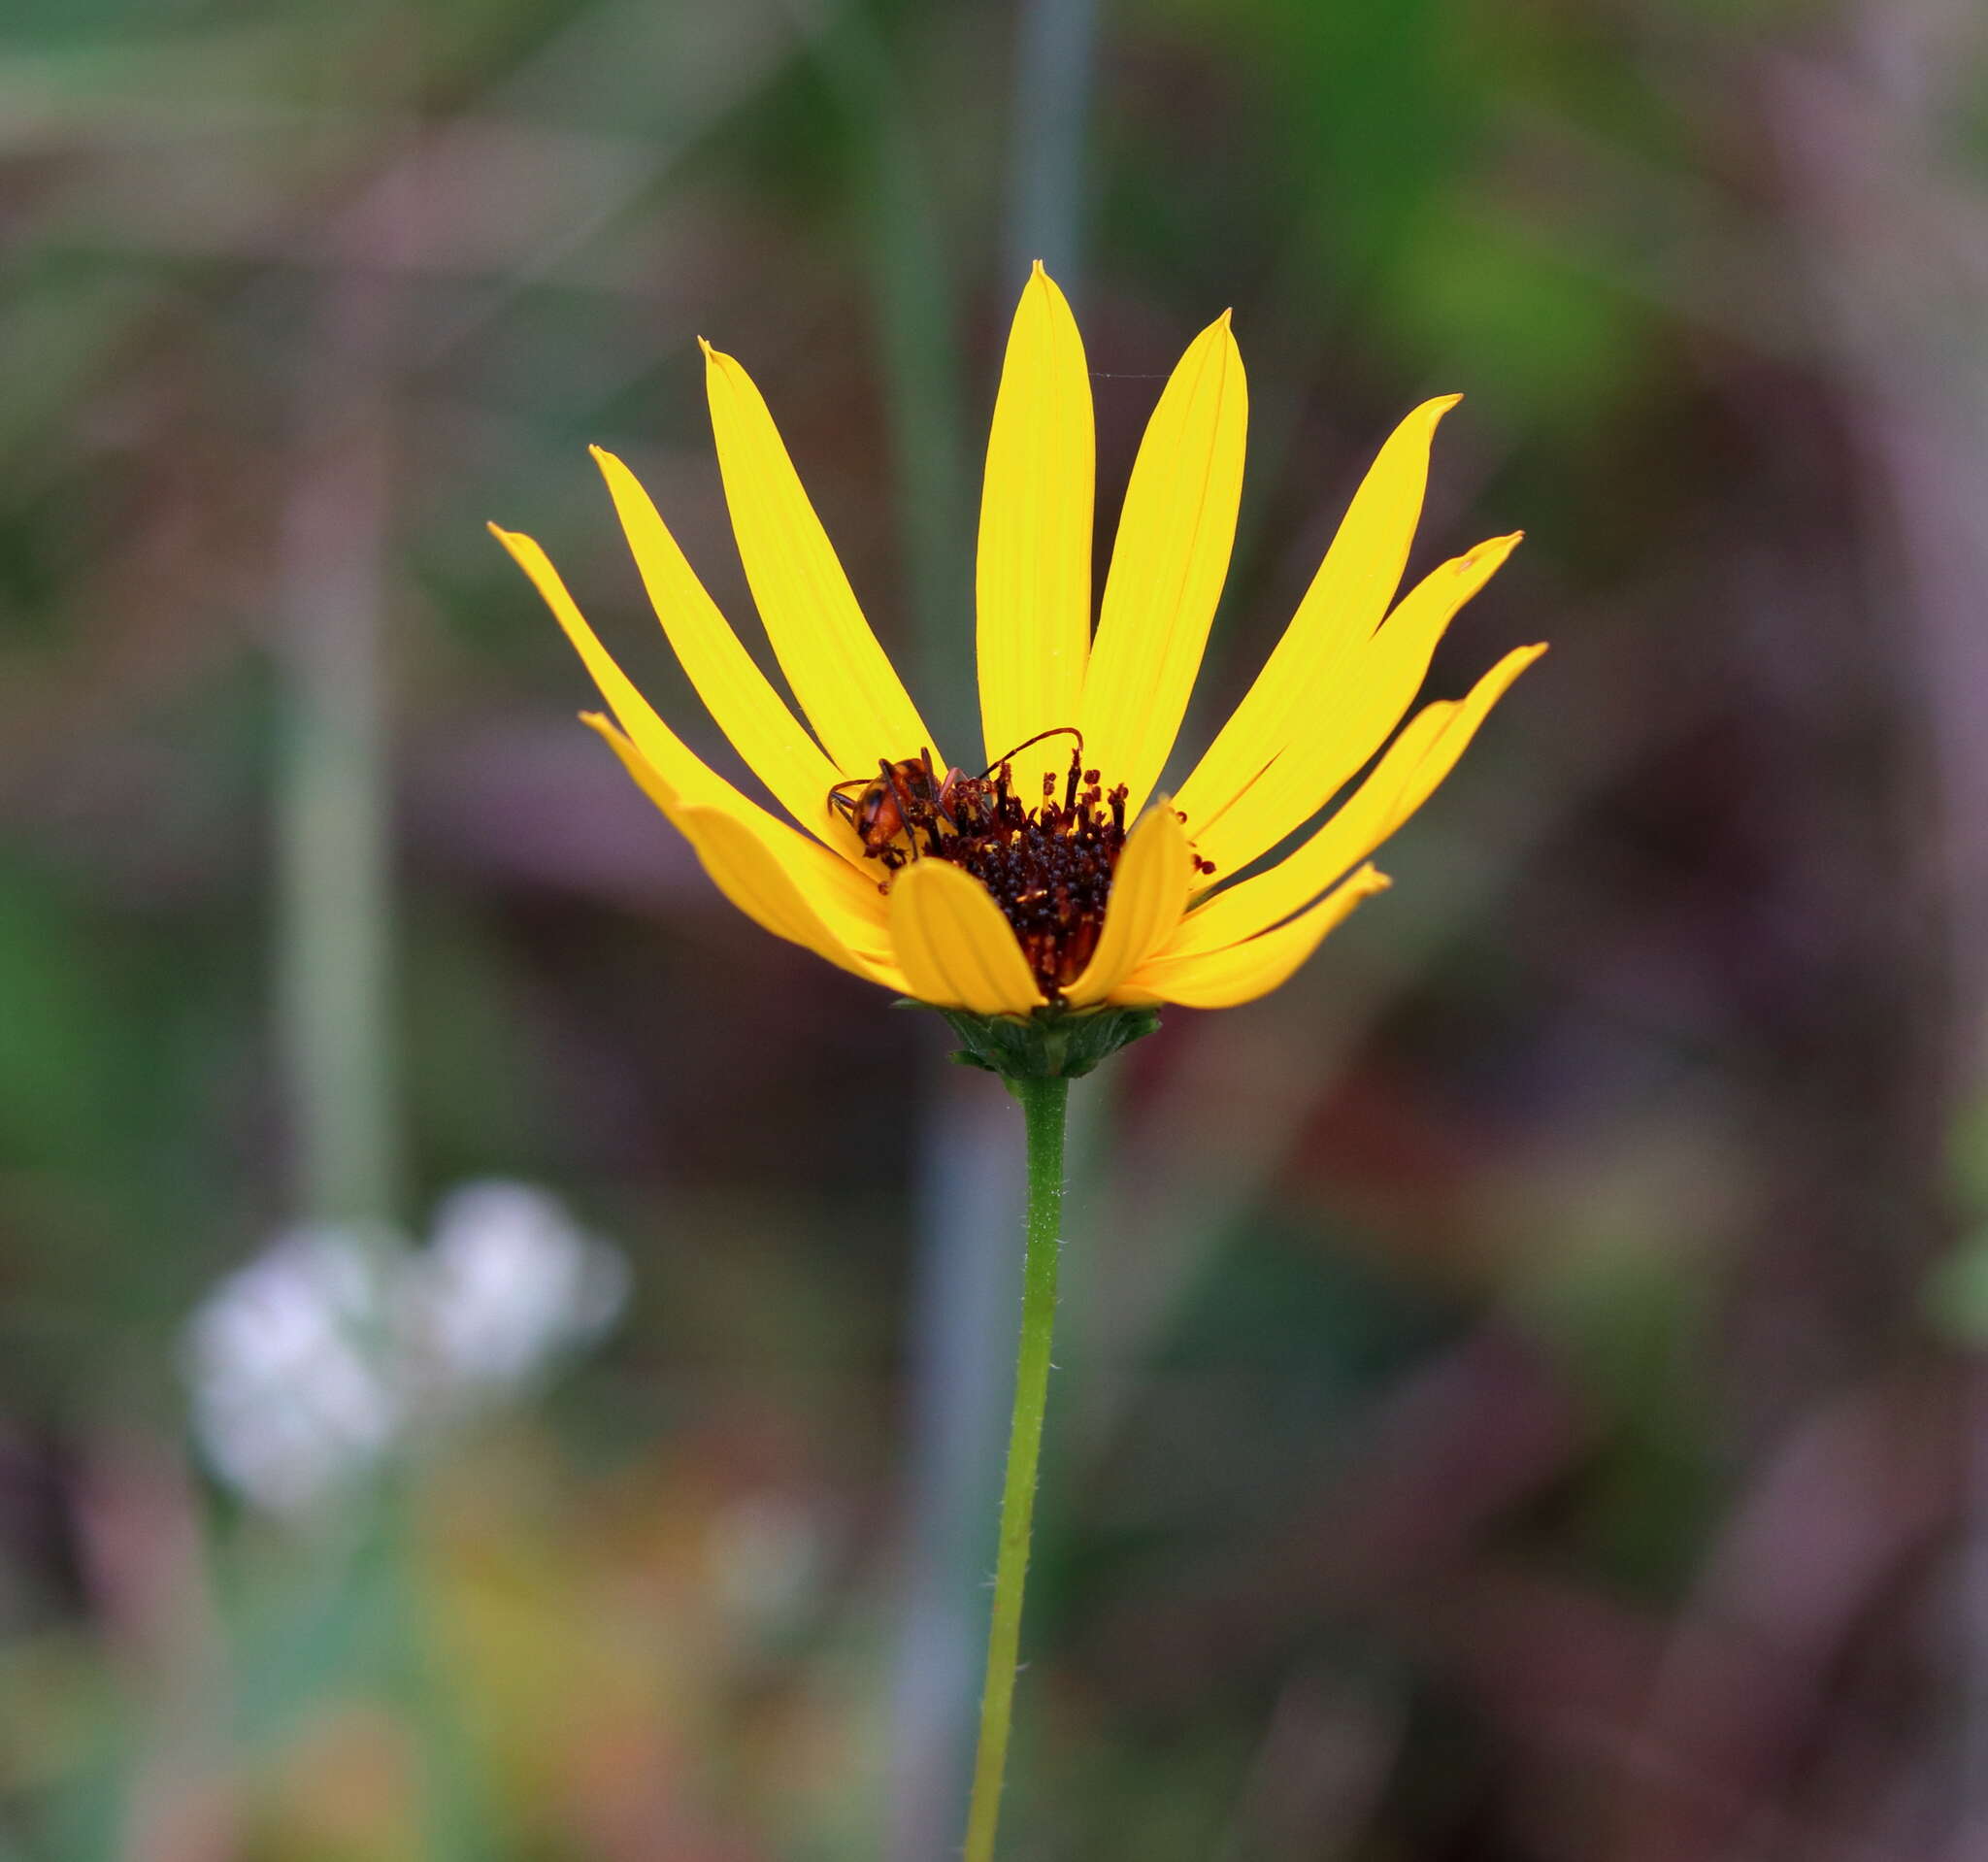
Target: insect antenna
1060, 730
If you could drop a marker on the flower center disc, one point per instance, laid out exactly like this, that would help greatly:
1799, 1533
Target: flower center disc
1048, 865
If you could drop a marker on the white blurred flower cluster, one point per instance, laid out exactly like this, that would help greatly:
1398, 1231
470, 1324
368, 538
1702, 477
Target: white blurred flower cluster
334, 1345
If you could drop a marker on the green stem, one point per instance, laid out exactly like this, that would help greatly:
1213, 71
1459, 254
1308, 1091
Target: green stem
1042, 1104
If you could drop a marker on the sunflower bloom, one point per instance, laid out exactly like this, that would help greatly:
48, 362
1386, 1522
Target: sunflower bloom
1050, 904
1055, 881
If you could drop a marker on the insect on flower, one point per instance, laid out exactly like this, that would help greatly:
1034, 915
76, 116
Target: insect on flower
1056, 880
907, 796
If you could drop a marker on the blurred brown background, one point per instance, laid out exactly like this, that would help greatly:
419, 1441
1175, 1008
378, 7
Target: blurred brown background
1517, 1390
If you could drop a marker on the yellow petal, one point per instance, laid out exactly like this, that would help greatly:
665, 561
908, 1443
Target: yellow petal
1033, 575
1456, 736
683, 776
844, 683
1168, 563
1252, 906
1415, 764
1379, 684
747, 873
738, 697
1343, 607
684, 772
753, 871
955, 948
1222, 978
1148, 895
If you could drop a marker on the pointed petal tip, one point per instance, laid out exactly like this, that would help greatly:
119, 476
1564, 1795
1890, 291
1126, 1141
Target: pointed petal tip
713, 355
523, 548
1039, 278
1495, 549
611, 468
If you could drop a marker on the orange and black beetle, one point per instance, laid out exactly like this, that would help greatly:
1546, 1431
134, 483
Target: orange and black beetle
901, 796
910, 795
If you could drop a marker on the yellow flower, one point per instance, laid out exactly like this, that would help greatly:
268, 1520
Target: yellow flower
1025, 888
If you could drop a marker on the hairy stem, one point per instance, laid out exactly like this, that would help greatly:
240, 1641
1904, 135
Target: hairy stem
1042, 1104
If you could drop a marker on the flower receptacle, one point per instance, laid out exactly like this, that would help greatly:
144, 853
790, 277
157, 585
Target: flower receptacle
1053, 1043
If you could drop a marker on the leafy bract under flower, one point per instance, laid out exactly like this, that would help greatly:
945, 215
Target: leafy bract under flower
1045, 887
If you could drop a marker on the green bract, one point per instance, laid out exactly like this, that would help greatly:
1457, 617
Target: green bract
1053, 1043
